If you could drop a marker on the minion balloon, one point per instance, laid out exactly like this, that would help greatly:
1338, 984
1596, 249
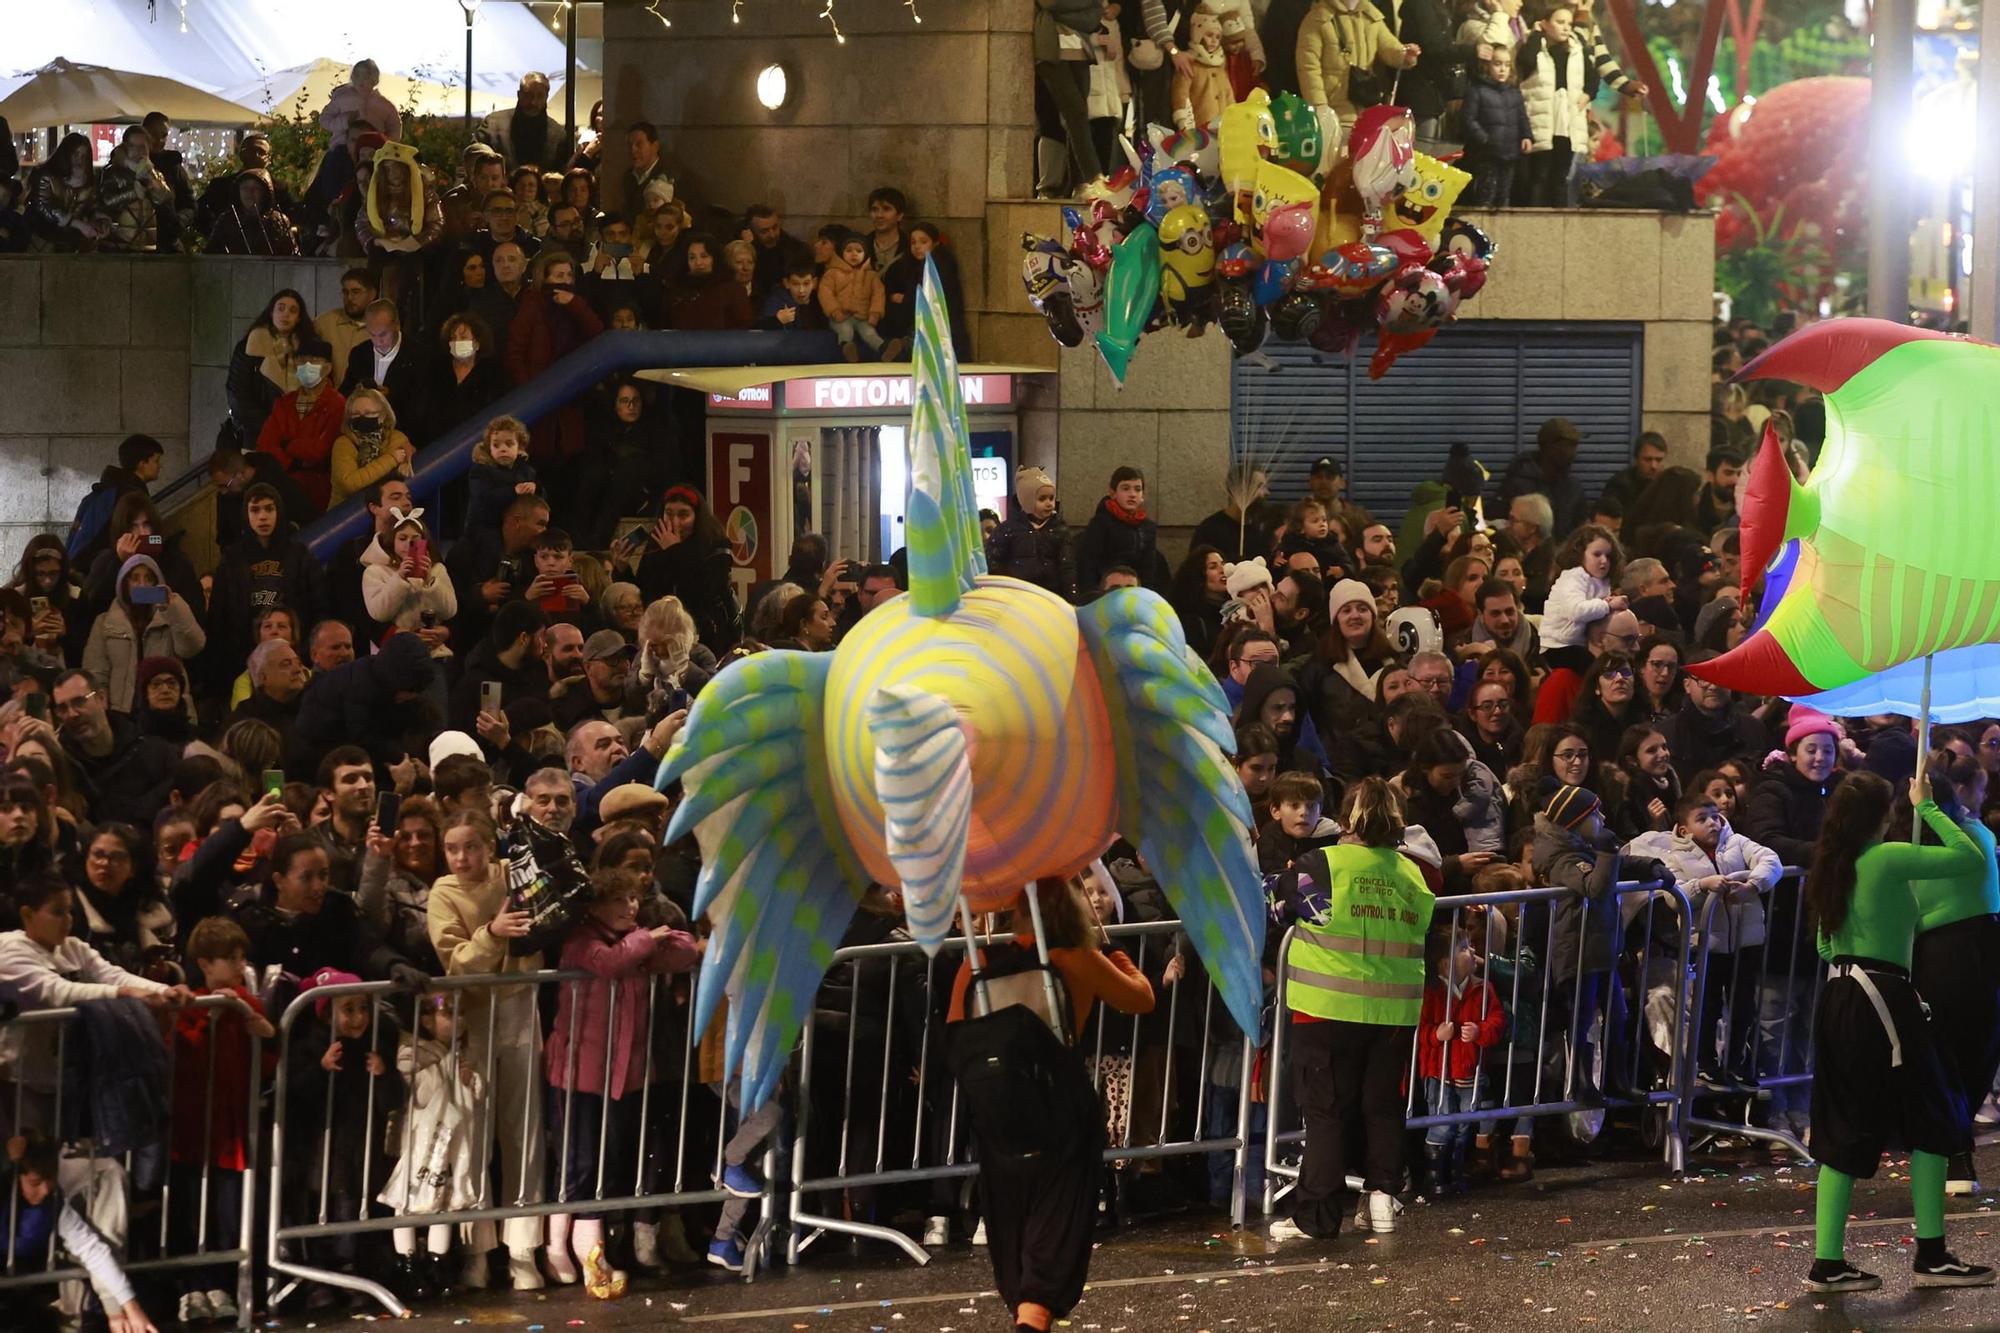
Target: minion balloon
1187, 261
962, 741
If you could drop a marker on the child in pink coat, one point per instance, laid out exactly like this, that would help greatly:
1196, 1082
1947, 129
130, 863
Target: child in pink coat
606, 1020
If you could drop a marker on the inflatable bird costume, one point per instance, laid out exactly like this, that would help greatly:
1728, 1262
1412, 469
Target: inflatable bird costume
963, 740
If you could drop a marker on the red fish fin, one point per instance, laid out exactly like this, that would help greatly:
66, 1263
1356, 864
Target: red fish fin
1758, 665
1763, 500
1826, 355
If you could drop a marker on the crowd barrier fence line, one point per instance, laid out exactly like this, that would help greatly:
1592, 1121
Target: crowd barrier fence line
1538, 1078
1531, 1093
238, 1256
284, 1235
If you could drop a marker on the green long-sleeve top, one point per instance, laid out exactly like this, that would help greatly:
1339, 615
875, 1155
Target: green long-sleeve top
1882, 918
1974, 892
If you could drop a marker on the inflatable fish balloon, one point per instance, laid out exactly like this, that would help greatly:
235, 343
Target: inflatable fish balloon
1897, 555
963, 740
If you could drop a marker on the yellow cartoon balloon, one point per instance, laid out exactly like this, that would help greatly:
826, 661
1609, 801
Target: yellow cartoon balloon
1283, 206
1248, 131
1187, 255
1424, 207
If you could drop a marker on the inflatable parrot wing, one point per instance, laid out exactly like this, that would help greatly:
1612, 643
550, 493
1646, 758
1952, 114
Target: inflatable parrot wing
1885, 555
962, 741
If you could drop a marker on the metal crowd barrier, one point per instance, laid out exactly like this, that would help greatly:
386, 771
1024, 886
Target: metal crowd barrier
937, 1141
21, 1030
607, 1193
1528, 1088
1787, 997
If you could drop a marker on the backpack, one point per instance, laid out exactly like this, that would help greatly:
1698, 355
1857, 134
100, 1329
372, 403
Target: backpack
93, 520
1023, 1087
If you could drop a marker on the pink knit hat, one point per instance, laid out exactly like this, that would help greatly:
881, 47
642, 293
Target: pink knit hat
1803, 721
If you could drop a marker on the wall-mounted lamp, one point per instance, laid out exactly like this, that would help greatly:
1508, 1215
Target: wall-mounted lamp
773, 86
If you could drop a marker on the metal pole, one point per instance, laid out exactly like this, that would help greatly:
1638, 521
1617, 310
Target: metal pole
1982, 288
1889, 107
569, 83
468, 71
1923, 745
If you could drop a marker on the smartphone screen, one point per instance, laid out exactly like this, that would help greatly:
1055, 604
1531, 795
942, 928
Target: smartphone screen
147, 595
635, 537
274, 781
39, 606
489, 696
387, 804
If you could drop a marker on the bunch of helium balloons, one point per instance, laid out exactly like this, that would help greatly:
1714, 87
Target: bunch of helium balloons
1270, 223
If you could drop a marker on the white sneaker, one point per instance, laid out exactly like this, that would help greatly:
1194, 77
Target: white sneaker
1988, 1114
937, 1232
1377, 1212
979, 1233
195, 1308
1961, 1187
221, 1305
646, 1244
1286, 1229
522, 1272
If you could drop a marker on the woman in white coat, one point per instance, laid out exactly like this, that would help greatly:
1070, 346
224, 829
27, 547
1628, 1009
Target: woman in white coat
1557, 83
404, 584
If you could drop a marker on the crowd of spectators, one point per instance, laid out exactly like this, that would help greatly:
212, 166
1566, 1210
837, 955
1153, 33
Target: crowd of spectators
199, 764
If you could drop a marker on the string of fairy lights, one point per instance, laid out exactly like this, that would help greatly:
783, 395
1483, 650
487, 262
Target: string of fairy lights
558, 9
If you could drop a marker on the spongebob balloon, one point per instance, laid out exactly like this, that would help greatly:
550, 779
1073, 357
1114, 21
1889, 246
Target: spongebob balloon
1423, 207
1282, 212
964, 740
1248, 132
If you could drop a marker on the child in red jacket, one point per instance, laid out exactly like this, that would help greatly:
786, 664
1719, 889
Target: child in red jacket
211, 1124
1461, 1018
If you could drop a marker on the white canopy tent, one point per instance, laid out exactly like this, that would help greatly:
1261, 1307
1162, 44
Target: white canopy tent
63, 93
310, 85
231, 44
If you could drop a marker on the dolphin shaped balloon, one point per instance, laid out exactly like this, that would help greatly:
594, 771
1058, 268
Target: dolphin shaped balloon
962, 741
1891, 551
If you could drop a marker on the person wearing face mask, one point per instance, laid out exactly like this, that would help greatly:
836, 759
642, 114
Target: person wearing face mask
469, 378
304, 423
370, 448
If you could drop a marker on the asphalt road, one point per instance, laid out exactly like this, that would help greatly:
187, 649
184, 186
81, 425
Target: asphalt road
1613, 1245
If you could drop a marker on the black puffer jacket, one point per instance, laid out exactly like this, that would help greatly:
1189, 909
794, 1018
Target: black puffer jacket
357, 704
1108, 542
1040, 555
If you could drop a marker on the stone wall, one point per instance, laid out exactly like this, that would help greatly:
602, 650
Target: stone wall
95, 348
943, 111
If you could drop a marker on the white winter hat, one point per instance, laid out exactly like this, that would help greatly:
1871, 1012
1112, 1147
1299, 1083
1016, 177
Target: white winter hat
1251, 573
1345, 591
449, 743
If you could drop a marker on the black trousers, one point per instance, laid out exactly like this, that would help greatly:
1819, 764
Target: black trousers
1543, 178
1346, 1075
1066, 84
1041, 1216
1732, 979
1952, 967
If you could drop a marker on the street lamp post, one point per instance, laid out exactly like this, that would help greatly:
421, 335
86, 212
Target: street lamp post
471, 8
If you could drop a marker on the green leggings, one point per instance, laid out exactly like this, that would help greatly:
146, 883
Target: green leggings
1836, 1193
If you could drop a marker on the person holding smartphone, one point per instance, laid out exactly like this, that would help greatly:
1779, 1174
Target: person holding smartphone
147, 619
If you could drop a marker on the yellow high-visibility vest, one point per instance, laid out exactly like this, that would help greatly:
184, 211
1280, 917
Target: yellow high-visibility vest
1362, 961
